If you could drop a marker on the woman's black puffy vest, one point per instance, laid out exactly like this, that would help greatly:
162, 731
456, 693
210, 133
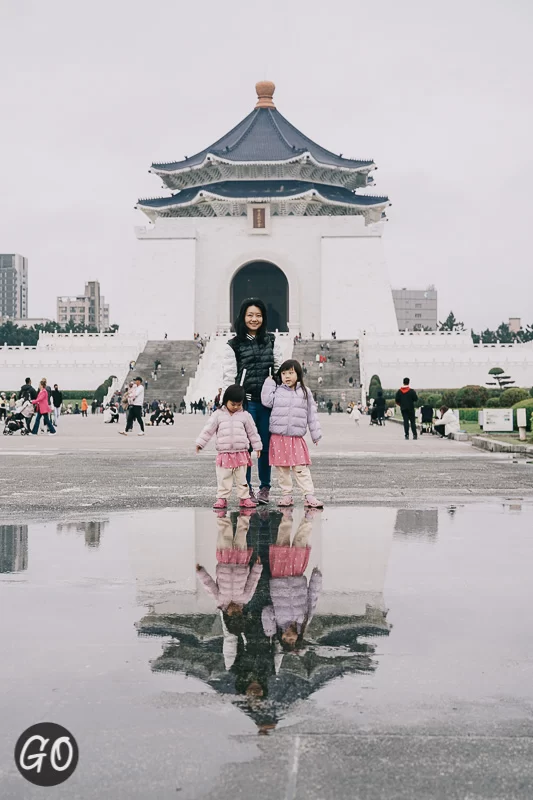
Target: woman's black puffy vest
257, 358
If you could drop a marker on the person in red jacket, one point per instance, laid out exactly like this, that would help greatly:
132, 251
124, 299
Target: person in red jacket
43, 410
407, 398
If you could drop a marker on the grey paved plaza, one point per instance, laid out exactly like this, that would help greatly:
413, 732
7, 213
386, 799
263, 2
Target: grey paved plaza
89, 466
415, 681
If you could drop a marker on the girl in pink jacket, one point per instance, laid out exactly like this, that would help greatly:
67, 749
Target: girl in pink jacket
43, 410
236, 435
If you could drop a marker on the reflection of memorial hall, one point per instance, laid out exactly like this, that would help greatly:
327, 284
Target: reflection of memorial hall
351, 548
13, 548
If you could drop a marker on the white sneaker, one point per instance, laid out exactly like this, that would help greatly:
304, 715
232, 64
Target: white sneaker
140, 434
123, 433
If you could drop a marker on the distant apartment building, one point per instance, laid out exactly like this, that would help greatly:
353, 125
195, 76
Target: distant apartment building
515, 324
13, 286
416, 309
86, 309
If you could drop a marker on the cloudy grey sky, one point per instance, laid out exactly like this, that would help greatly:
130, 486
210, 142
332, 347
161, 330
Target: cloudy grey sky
438, 93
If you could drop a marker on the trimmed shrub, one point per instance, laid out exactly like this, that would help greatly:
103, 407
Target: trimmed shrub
374, 387
449, 398
472, 396
528, 405
510, 397
493, 402
531, 392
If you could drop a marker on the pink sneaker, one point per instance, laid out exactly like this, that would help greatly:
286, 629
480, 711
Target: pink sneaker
311, 502
247, 503
220, 503
286, 501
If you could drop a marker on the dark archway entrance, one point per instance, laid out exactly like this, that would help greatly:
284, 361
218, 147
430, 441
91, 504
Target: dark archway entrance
267, 282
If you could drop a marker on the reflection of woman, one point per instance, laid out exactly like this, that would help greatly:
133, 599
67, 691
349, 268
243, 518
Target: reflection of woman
293, 601
251, 356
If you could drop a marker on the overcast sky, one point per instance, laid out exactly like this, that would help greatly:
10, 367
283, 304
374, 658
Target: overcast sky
439, 94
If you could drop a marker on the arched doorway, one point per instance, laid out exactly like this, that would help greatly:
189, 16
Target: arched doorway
267, 282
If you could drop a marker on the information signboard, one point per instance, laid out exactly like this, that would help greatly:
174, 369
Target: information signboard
498, 419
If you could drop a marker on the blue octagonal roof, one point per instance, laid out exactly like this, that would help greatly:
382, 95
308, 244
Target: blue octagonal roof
264, 135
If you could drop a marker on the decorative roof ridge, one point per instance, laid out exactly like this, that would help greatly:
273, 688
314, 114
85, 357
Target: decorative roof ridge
297, 150
254, 116
209, 149
319, 146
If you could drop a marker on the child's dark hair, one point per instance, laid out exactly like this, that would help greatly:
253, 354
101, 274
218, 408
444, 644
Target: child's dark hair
235, 393
297, 367
290, 647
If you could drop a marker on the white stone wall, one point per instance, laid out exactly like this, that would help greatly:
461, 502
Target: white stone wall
313, 252
435, 360
73, 361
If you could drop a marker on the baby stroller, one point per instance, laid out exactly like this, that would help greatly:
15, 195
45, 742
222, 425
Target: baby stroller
14, 423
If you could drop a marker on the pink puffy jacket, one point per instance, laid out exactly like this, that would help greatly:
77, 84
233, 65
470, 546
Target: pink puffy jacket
235, 432
41, 401
235, 583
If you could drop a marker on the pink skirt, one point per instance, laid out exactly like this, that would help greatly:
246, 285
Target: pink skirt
288, 451
288, 562
234, 460
231, 556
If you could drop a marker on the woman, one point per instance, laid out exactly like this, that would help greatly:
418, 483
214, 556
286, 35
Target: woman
43, 410
251, 356
84, 407
448, 423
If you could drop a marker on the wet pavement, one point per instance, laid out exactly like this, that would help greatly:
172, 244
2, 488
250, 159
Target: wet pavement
411, 675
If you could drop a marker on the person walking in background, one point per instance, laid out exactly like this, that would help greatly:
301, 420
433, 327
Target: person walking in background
329, 406
43, 410
94, 406
235, 432
12, 402
27, 391
380, 406
57, 401
407, 398
293, 411
84, 406
135, 407
249, 359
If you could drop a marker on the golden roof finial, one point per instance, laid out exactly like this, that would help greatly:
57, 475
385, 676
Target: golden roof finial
265, 91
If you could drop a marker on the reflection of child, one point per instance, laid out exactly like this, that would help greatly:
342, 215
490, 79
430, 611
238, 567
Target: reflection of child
236, 582
293, 601
235, 431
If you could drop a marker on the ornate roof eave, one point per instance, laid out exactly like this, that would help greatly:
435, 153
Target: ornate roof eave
310, 194
302, 158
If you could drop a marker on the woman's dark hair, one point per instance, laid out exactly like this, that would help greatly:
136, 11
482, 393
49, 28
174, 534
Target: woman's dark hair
297, 367
234, 623
380, 393
240, 325
443, 409
235, 393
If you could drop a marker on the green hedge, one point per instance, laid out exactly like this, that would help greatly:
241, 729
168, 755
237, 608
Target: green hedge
528, 405
469, 414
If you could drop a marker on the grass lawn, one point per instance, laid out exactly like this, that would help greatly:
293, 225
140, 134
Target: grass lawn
474, 429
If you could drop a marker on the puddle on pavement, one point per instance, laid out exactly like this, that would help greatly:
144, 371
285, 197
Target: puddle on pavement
286, 609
